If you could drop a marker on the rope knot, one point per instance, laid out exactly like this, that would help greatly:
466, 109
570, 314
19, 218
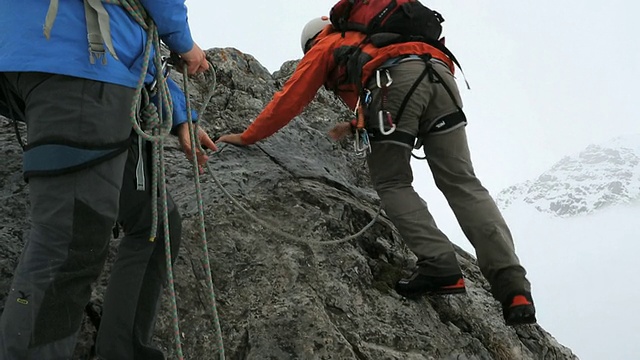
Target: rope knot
150, 116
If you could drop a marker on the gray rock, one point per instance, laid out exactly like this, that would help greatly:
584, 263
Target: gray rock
284, 299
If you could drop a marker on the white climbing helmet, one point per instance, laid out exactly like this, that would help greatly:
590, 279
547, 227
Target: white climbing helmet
312, 29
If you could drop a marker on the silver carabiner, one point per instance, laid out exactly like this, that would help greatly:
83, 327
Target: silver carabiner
379, 78
166, 66
381, 116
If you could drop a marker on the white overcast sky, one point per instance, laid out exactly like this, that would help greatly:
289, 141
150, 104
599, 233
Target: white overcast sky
547, 79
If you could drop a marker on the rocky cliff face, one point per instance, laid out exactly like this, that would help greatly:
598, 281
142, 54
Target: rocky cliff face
283, 299
600, 176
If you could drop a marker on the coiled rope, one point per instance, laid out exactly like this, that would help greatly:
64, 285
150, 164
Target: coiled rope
158, 119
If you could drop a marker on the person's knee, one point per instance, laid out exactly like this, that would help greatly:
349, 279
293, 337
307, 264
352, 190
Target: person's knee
458, 182
400, 201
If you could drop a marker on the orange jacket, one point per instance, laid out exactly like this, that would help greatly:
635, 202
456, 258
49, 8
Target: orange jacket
318, 67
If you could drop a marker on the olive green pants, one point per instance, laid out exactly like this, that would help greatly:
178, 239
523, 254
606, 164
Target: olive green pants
449, 160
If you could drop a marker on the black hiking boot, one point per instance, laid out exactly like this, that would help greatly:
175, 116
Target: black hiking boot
418, 284
519, 309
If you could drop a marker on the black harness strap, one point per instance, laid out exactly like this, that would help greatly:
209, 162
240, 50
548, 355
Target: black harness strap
397, 136
405, 101
60, 156
433, 75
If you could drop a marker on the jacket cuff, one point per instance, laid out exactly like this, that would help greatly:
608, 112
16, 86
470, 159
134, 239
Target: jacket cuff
248, 140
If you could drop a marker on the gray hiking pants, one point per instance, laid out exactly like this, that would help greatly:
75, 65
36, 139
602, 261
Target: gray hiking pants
448, 156
139, 271
72, 216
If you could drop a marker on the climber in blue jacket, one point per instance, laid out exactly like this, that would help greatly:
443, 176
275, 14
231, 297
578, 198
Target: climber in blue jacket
72, 79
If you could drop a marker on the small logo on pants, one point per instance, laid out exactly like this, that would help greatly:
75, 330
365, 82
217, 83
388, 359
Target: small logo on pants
23, 298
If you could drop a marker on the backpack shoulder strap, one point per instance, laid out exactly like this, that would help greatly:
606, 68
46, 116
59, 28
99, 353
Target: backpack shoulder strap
52, 12
98, 28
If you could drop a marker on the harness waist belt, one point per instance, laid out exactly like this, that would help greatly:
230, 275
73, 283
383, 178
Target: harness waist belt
51, 159
396, 136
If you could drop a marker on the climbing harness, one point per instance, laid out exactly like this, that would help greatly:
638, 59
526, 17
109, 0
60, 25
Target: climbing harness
387, 125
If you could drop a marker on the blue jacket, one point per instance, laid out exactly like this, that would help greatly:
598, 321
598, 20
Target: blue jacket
23, 46
179, 104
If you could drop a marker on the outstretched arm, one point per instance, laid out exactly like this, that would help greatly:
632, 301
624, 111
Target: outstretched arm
296, 94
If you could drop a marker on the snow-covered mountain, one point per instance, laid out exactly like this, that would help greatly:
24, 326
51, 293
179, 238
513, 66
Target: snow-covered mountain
600, 176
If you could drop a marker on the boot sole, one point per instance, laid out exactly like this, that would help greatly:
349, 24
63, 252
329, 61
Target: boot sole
418, 294
521, 315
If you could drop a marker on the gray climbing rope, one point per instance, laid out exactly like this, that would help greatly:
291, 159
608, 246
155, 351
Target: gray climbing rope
279, 232
195, 144
158, 121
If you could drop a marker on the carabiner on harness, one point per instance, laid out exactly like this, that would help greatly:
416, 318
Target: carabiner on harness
167, 65
384, 114
379, 78
361, 143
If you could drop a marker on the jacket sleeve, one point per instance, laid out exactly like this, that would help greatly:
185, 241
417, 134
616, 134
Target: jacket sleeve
171, 18
179, 105
296, 94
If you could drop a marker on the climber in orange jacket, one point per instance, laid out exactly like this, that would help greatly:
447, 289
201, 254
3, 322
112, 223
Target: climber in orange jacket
432, 115
317, 68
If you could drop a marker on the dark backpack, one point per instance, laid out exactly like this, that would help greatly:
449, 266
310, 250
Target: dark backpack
388, 22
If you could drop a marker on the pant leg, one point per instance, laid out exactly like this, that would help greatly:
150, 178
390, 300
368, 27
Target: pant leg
139, 271
449, 159
476, 211
71, 215
391, 176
